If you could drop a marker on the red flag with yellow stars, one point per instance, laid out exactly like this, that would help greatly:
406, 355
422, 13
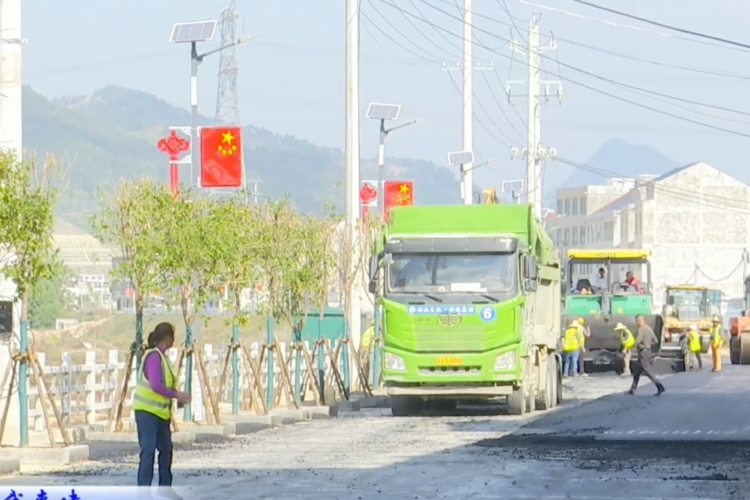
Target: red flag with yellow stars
398, 194
221, 157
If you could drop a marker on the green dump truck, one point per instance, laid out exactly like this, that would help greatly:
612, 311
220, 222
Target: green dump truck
604, 302
471, 307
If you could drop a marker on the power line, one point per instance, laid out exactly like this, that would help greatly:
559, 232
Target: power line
662, 25
489, 117
629, 26
692, 69
583, 85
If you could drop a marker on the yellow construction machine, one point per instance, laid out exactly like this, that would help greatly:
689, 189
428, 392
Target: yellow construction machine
686, 305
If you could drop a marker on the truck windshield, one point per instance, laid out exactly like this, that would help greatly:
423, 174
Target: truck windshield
687, 297
453, 273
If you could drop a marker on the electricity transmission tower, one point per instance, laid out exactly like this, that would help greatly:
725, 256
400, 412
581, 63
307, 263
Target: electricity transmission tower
227, 95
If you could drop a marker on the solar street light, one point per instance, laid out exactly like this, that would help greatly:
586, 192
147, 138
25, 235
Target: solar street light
385, 112
194, 32
513, 187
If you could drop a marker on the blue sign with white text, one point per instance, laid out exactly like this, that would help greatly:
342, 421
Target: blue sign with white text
24, 492
439, 310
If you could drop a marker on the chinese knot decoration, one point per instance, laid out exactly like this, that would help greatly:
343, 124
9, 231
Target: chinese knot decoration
173, 146
367, 194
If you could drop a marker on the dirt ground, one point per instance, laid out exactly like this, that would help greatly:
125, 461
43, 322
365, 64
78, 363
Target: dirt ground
118, 332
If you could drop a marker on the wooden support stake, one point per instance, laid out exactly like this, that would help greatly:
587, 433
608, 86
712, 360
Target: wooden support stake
209, 397
285, 380
360, 370
311, 376
123, 393
257, 382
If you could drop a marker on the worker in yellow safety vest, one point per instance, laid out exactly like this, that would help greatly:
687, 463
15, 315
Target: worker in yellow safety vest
627, 342
152, 405
694, 346
572, 341
717, 342
585, 333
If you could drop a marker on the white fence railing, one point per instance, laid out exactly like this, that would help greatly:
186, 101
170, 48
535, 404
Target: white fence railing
86, 392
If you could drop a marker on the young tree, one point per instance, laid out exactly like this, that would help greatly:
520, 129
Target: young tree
192, 267
27, 198
238, 257
133, 220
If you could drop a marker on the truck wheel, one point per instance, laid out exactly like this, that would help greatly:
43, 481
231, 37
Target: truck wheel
517, 400
404, 406
545, 395
441, 404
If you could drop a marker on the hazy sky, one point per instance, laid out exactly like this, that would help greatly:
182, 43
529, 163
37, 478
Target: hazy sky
292, 77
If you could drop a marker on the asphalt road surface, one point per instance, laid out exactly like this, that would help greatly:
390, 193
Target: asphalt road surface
687, 444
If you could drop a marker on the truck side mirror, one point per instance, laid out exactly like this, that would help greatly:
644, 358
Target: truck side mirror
533, 269
372, 287
373, 269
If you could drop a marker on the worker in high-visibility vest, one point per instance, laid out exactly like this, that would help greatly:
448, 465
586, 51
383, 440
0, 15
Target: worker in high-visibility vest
717, 342
152, 404
627, 342
694, 346
585, 333
571, 347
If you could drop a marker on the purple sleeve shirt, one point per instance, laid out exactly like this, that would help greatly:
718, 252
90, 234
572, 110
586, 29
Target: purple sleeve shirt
153, 372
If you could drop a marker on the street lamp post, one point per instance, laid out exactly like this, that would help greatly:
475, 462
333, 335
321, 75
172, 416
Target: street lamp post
383, 112
192, 33
513, 187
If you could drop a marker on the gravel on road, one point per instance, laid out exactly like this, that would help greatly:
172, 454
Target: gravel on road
372, 455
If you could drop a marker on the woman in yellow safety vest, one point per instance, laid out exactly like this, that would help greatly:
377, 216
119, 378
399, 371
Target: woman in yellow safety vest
717, 342
627, 342
694, 344
152, 405
572, 342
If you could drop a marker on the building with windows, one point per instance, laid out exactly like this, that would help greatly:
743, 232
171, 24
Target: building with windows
695, 220
575, 205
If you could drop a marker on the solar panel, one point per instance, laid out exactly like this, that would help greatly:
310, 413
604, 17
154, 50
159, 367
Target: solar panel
512, 186
197, 31
460, 158
378, 111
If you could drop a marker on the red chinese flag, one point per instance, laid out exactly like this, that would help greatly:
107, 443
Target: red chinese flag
398, 194
221, 157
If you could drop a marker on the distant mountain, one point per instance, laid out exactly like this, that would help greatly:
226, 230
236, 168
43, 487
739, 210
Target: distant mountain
112, 134
623, 160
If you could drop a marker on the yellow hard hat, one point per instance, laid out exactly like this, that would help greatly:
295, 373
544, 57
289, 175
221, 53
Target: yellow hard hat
581, 321
620, 326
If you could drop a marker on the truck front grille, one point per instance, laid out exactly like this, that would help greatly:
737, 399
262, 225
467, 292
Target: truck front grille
462, 338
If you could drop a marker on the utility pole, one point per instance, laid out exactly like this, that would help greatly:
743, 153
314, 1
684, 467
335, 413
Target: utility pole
467, 176
534, 152
351, 162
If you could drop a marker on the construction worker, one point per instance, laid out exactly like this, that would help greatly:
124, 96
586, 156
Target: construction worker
572, 340
644, 342
627, 342
585, 333
717, 342
694, 346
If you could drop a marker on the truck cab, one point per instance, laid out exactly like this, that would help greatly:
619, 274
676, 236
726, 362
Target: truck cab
468, 293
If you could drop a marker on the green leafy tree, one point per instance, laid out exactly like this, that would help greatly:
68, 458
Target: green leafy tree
27, 196
133, 220
49, 299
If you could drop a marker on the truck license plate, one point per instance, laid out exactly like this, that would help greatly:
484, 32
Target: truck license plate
448, 361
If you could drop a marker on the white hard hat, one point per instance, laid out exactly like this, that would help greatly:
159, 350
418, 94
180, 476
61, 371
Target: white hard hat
620, 326
693, 327
574, 324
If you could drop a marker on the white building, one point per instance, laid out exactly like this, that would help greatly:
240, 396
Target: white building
695, 219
